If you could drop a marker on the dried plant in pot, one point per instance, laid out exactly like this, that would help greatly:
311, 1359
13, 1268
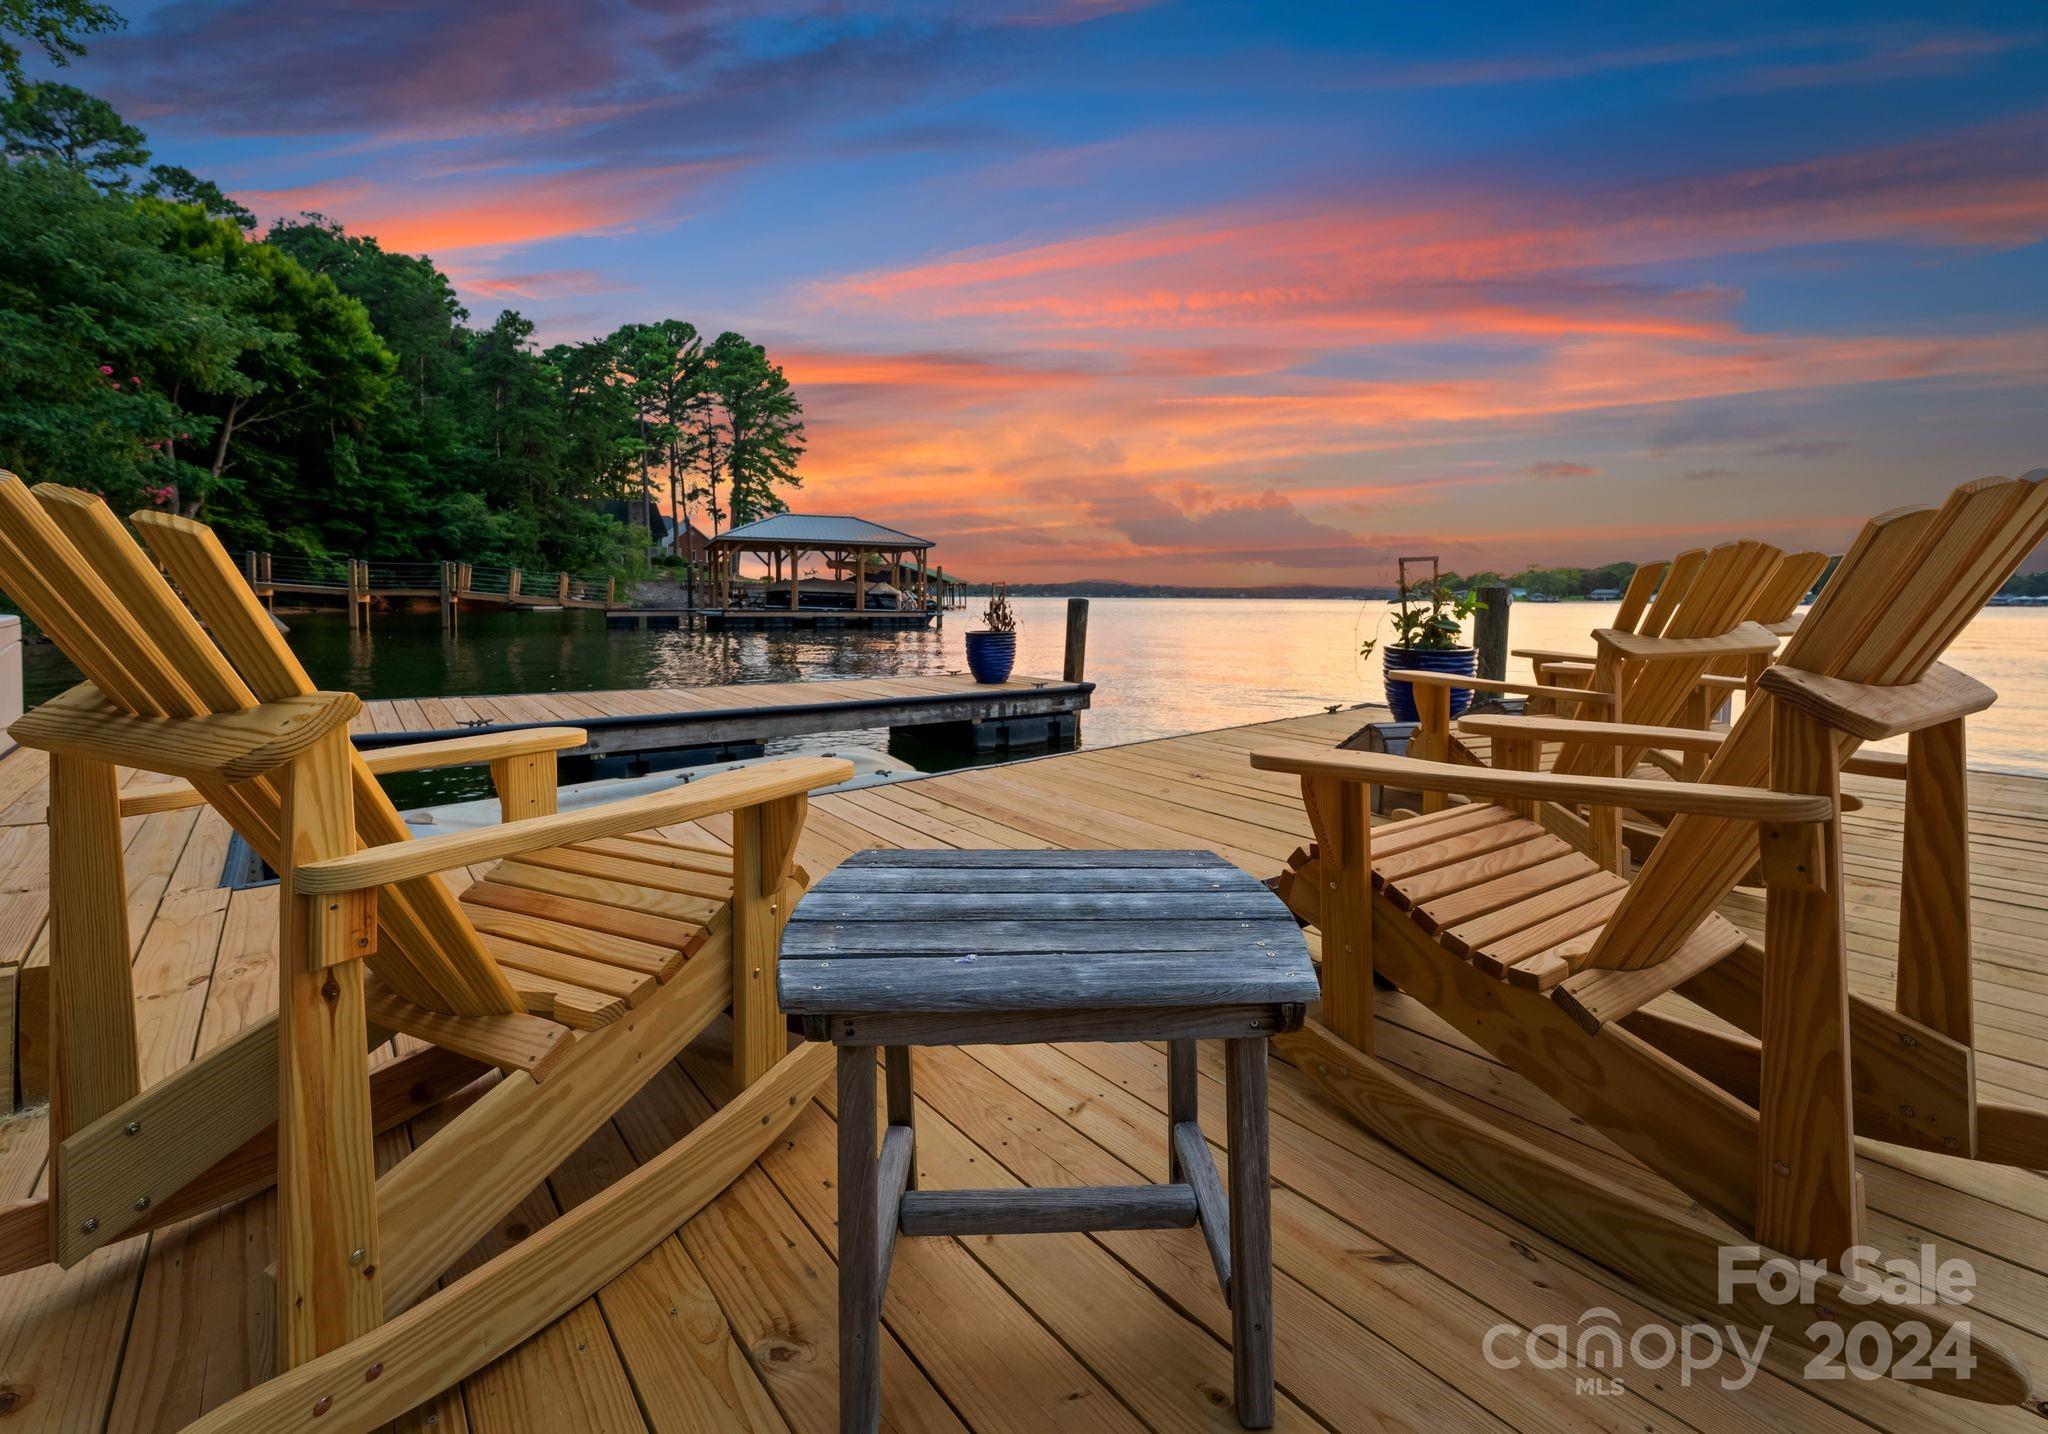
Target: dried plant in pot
1429, 628
992, 649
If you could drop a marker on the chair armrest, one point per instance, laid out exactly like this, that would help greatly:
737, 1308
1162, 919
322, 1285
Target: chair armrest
1742, 640
473, 751
1374, 769
1610, 734
1548, 655
1713, 682
1494, 684
216, 746
1627, 734
723, 792
485, 747
1874, 713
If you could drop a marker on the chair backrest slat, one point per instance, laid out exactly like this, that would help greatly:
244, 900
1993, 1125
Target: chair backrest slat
1721, 591
68, 600
1908, 585
1635, 598
434, 947
136, 585
85, 581
1671, 592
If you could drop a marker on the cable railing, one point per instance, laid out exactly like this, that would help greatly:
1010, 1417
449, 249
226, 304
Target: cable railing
379, 573
360, 579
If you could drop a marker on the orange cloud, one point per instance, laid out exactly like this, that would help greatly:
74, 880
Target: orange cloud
494, 211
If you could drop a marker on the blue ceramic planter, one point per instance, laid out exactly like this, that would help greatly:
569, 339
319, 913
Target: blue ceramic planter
1461, 661
991, 655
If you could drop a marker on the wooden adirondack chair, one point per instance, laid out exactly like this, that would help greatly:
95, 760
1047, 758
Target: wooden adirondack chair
585, 960
1672, 669
1629, 617
1548, 961
1775, 602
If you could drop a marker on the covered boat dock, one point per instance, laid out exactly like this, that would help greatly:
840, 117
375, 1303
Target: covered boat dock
863, 575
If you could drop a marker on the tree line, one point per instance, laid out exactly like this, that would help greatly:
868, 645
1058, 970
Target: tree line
307, 391
1550, 582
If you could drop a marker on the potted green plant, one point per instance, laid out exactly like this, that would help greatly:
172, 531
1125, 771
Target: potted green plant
992, 650
1429, 629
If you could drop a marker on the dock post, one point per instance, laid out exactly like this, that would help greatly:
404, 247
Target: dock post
269, 585
1491, 632
447, 596
1077, 638
512, 585
611, 591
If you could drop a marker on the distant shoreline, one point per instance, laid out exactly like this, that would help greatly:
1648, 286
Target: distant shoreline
1135, 590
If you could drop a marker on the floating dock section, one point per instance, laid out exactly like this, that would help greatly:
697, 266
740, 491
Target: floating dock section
711, 723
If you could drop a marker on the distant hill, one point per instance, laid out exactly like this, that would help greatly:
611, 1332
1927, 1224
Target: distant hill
1105, 587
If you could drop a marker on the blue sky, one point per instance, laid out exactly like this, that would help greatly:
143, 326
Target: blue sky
1221, 293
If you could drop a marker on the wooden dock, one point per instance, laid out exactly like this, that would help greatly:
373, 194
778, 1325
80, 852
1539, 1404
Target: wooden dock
356, 582
1388, 1279
1023, 712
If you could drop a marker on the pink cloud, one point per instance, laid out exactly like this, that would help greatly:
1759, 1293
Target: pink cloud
492, 211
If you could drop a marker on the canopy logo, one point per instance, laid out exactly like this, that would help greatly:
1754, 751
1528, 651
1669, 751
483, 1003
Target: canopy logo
1601, 1355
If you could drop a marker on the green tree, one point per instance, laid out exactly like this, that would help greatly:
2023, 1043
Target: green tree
308, 360
77, 130
181, 186
762, 427
109, 338
395, 483
669, 376
54, 26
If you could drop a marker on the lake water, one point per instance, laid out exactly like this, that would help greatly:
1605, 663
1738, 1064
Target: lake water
1161, 666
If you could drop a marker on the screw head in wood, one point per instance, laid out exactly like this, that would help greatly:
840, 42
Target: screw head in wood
133, 1127
373, 1371
90, 1224
321, 1405
358, 1255
142, 1202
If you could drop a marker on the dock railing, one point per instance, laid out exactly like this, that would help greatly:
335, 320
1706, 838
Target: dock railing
357, 581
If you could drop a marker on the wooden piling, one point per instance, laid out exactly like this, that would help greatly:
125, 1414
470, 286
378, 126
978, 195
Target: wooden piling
1491, 632
1077, 639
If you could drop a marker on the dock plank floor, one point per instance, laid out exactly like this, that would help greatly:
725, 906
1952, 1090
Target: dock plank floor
1388, 1278
394, 715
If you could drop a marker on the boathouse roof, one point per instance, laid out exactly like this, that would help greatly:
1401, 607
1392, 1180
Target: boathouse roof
815, 530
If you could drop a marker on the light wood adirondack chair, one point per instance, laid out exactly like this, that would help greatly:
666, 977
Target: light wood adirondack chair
1547, 961
587, 958
1777, 599
1672, 669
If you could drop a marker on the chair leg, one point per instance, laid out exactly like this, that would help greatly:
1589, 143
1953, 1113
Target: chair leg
860, 1295
1433, 708
328, 1287
1183, 1098
1808, 1202
902, 1100
1251, 1234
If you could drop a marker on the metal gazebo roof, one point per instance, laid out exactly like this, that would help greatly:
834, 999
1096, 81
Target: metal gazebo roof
818, 531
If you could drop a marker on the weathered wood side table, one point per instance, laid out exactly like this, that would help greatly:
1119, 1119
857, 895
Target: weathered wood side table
928, 948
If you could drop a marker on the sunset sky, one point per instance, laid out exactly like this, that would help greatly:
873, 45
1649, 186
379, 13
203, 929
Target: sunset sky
1220, 293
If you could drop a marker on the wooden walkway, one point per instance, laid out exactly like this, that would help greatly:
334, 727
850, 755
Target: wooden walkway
1388, 1278
663, 718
